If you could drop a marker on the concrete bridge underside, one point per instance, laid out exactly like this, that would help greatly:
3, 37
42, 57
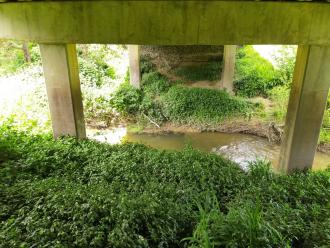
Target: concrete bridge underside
58, 25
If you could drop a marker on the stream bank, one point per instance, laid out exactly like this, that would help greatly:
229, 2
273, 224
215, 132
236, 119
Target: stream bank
235, 144
270, 131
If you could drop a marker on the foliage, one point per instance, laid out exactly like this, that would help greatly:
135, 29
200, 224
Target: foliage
279, 96
146, 66
160, 100
271, 211
99, 108
93, 69
197, 105
285, 59
86, 194
325, 130
12, 57
154, 84
254, 75
127, 99
209, 71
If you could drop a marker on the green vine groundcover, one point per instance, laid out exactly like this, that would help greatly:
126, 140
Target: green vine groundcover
69, 193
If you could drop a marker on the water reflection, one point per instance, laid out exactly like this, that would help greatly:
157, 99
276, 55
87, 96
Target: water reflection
240, 148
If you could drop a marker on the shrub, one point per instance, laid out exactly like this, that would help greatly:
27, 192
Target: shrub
285, 59
99, 108
93, 67
254, 75
94, 71
197, 105
154, 84
146, 66
152, 109
127, 99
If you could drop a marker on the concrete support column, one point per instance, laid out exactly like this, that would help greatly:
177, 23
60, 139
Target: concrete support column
134, 65
307, 102
63, 89
227, 75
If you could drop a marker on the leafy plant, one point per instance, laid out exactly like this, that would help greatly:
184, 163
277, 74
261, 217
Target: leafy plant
279, 96
15, 55
94, 71
154, 84
197, 105
127, 99
254, 75
285, 59
146, 66
82, 193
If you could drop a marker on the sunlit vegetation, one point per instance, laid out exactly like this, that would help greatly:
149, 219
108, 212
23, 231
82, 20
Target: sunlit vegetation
69, 193
162, 100
102, 70
15, 56
254, 74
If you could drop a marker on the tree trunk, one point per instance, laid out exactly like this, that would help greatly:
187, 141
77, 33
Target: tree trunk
27, 55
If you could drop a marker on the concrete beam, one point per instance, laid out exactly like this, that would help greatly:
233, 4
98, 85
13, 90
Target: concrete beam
307, 102
228, 68
63, 89
134, 65
167, 22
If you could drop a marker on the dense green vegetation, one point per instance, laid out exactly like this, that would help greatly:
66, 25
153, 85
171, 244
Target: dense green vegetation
163, 100
17, 55
93, 69
98, 79
254, 74
202, 106
160, 100
69, 193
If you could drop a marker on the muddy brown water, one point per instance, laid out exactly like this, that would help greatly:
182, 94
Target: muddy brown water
240, 148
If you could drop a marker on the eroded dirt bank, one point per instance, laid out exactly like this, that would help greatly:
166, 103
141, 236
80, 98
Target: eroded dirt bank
266, 130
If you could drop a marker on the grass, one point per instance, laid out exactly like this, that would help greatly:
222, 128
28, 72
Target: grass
69, 193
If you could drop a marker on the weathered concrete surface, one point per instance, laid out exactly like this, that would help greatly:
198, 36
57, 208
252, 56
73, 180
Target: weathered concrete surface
134, 65
228, 68
63, 89
307, 102
167, 22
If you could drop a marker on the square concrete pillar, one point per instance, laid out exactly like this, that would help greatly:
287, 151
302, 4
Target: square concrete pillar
228, 70
63, 89
307, 102
134, 65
